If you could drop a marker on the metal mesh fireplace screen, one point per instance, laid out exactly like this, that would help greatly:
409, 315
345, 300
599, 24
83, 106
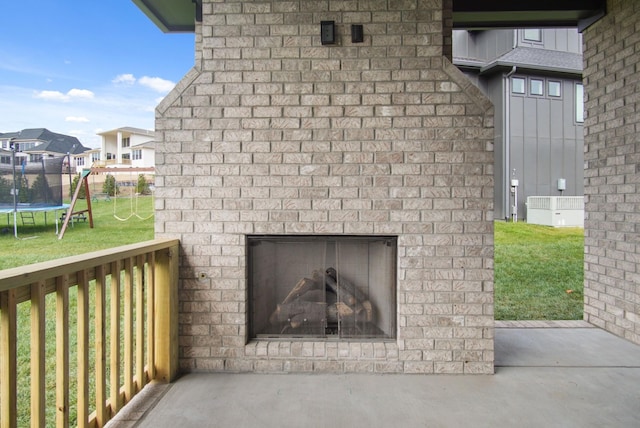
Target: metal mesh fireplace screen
322, 286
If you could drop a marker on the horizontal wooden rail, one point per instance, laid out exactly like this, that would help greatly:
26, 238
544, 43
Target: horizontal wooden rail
121, 333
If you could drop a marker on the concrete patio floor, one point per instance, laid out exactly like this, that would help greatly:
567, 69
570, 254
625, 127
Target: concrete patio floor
547, 375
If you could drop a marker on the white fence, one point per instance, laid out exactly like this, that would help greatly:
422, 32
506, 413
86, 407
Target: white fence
556, 211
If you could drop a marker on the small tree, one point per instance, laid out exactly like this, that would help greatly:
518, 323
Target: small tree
40, 189
6, 188
110, 187
143, 186
24, 193
76, 183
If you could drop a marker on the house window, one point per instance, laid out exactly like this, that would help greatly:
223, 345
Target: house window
79, 161
5, 160
554, 88
136, 154
533, 35
21, 147
517, 85
579, 103
35, 158
126, 142
126, 156
95, 157
536, 87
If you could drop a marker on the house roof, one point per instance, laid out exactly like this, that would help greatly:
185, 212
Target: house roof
49, 141
537, 59
130, 130
180, 15
8, 135
146, 145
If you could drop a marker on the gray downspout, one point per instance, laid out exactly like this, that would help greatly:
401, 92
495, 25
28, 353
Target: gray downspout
506, 157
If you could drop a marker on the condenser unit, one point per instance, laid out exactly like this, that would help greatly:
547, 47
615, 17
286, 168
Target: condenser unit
556, 211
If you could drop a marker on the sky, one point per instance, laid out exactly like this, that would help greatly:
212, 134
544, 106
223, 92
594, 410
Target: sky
80, 67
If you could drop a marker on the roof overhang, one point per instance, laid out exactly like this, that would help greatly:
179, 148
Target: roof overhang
173, 16
479, 14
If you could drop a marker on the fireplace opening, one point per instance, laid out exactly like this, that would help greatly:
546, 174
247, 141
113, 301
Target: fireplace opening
332, 287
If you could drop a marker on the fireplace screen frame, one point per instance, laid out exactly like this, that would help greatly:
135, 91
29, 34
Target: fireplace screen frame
340, 287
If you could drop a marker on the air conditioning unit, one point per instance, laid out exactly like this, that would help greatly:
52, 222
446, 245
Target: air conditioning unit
556, 211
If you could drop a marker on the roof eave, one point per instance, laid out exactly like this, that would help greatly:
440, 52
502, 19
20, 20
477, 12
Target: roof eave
498, 66
474, 14
179, 16
171, 16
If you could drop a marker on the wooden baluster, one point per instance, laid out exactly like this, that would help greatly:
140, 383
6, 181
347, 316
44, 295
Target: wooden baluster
101, 348
8, 359
62, 351
128, 329
83, 349
38, 377
149, 271
140, 377
114, 380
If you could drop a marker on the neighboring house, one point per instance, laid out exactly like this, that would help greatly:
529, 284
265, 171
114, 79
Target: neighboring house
32, 145
534, 79
125, 147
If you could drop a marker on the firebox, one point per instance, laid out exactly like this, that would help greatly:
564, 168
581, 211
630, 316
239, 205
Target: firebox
330, 287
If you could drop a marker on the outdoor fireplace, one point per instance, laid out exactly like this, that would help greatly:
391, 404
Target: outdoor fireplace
333, 202
330, 287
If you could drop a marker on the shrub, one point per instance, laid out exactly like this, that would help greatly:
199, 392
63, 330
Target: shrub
110, 187
40, 190
74, 184
143, 186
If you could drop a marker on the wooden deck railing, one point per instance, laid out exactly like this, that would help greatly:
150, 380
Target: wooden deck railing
123, 333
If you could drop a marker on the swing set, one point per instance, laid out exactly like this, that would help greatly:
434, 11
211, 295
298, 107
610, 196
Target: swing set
70, 215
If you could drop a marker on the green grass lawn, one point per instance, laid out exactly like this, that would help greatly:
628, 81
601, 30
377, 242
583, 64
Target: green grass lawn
538, 272
39, 243
538, 269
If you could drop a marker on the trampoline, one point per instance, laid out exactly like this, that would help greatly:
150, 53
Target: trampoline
31, 187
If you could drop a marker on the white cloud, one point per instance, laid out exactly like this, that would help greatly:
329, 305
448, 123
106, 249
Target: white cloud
127, 79
78, 119
59, 96
80, 93
157, 84
51, 95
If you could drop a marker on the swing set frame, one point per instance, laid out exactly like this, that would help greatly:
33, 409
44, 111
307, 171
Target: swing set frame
85, 182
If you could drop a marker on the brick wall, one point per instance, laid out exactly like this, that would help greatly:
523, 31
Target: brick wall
612, 179
273, 133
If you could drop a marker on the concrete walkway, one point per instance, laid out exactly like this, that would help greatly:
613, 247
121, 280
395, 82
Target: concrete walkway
545, 377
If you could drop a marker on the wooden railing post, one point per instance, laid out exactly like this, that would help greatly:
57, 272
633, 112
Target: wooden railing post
166, 314
8, 353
